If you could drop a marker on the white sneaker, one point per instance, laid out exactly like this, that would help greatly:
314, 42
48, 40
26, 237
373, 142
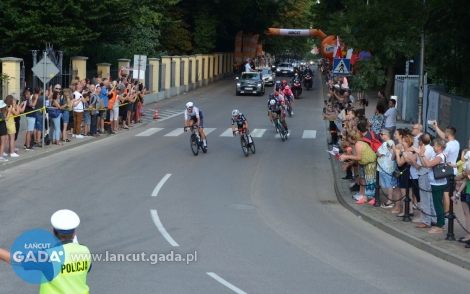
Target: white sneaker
73, 136
291, 113
352, 184
14, 155
3, 159
5, 154
288, 133
16, 149
79, 137
357, 197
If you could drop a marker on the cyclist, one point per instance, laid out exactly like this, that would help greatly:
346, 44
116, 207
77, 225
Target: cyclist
288, 98
242, 123
275, 108
192, 115
283, 84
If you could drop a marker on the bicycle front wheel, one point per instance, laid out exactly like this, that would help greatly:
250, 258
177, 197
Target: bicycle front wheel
252, 146
244, 143
282, 131
194, 144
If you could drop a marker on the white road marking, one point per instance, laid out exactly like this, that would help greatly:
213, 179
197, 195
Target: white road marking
227, 133
257, 133
226, 284
207, 131
309, 134
160, 184
162, 230
149, 132
173, 111
175, 132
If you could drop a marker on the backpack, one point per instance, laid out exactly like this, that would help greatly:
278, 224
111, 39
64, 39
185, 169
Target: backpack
372, 140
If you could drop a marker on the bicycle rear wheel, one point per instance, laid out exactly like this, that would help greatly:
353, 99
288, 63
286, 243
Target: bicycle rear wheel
244, 143
194, 144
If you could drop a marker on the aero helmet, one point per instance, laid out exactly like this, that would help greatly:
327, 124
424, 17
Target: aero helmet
189, 105
235, 112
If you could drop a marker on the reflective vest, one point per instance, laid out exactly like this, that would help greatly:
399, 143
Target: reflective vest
72, 276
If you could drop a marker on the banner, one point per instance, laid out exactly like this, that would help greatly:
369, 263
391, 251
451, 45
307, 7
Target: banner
238, 48
254, 42
259, 49
246, 46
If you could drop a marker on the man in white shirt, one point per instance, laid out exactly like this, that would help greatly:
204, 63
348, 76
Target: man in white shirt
427, 204
451, 152
416, 131
391, 117
247, 66
77, 112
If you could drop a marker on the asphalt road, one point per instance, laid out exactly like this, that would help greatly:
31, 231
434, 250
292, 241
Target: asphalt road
267, 223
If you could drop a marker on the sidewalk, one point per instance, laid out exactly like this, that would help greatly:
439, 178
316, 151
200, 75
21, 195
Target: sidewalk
27, 156
435, 244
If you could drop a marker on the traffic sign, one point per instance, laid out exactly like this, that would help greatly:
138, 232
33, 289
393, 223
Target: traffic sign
45, 70
140, 62
341, 67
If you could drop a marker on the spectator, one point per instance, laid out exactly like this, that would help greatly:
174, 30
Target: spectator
95, 104
131, 98
451, 153
463, 168
86, 114
437, 186
77, 111
383, 101
20, 107
30, 117
4, 117
376, 122
10, 125
427, 204
247, 66
39, 127
104, 102
66, 104
365, 156
56, 120
386, 165
391, 117
402, 166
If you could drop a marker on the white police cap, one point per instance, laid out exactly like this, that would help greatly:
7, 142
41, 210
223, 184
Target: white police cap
65, 221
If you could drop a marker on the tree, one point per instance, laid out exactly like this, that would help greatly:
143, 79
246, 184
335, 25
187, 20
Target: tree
389, 29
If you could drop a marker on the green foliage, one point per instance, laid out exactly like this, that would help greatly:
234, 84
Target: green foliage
370, 75
204, 31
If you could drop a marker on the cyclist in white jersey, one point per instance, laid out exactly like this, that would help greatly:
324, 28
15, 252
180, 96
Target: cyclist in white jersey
192, 115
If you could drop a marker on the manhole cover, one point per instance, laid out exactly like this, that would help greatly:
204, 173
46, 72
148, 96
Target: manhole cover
327, 202
241, 206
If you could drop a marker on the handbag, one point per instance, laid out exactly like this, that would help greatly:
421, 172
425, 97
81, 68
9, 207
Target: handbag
53, 112
442, 170
397, 173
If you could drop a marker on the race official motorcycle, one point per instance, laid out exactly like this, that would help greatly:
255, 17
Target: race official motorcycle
308, 81
296, 87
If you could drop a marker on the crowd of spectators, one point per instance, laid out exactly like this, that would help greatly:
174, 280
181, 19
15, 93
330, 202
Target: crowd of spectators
87, 108
403, 158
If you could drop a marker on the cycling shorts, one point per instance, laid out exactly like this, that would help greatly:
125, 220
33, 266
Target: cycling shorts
194, 119
278, 112
289, 98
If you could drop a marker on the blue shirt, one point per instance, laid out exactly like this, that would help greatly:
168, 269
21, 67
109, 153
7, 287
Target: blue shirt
104, 96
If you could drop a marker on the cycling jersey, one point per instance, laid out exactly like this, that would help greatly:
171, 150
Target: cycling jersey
194, 116
196, 113
240, 120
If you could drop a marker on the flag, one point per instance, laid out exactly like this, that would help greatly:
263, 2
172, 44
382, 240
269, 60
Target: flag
254, 42
238, 48
246, 46
337, 49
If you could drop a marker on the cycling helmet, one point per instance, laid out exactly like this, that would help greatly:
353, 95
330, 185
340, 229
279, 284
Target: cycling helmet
189, 105
286, 88
276, 93
284, 81
272, 102
235, 112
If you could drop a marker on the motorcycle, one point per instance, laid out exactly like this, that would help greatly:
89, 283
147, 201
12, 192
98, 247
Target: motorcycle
296, 87
308, 82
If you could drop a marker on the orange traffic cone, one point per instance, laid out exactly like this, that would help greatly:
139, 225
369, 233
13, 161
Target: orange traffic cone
155, 116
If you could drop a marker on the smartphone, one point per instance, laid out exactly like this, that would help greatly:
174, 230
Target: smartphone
430, 122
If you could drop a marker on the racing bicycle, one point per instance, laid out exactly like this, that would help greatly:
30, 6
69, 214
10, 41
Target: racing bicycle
244, 141
196, 141
280, 128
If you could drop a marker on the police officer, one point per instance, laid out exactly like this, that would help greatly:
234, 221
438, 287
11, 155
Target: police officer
72, 276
